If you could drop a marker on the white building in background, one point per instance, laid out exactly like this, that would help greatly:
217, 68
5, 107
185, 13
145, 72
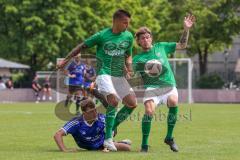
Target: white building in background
223, 63
6, 68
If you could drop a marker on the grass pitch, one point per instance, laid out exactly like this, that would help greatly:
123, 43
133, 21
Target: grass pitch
203, 132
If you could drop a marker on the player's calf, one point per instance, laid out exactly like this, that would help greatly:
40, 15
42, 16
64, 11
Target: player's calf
68, 100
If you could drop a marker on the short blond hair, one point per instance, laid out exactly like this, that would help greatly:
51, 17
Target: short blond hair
87, 103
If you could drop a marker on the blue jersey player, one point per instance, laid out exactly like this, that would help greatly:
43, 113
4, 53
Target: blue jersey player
89, 78
90, 75
87, 130
75, 72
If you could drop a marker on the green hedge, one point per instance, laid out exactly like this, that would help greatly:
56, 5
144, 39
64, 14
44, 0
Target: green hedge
213, 81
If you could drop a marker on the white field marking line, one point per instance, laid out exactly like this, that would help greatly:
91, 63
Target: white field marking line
23, 112
14, 112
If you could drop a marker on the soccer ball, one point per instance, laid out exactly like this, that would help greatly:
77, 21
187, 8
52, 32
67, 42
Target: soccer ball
153, 68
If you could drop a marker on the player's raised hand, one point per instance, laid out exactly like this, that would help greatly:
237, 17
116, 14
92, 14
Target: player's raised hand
189, 21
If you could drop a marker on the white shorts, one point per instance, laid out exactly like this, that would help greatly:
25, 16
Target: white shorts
159, 95
113, 85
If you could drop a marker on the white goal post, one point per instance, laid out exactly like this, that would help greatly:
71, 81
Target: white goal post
189, 63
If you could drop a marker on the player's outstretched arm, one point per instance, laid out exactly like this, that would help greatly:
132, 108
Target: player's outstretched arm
71, 54
58, 137
188, 23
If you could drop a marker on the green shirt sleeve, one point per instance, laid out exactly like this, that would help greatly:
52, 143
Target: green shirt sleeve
93, 40
169, 47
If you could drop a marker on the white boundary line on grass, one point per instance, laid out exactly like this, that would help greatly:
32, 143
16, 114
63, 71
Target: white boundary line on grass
24, 112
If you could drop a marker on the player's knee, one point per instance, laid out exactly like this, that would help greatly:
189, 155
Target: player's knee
132, 104
149, 107
113, 103
149, 111
172, 101
112, 100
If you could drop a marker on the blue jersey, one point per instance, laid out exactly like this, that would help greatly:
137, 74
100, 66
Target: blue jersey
78, 70
90, 72
87, 136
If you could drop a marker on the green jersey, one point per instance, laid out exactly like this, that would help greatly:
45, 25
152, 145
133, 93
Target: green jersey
160, 52
112, 50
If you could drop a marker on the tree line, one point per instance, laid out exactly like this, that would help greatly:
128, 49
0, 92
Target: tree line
36, 32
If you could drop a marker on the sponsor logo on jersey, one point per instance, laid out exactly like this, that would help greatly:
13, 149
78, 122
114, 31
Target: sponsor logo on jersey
114, 49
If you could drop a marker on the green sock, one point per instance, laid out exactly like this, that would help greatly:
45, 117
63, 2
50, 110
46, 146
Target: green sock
171, 121
110, 116
146, 127
122, 115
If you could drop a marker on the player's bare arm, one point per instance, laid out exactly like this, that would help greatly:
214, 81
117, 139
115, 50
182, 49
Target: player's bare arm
188, 23
128, 65
71, 54
58, 137
36, 87
65, 72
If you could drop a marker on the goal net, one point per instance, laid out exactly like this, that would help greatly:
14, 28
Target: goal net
182, 69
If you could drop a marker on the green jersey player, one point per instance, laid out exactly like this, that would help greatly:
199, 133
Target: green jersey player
114, 59
160, 88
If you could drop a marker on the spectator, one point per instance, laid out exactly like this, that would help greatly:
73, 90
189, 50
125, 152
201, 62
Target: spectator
47, 91
36, 88
9, 83
2, 84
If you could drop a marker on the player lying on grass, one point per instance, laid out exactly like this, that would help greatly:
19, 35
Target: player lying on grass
87, 130
161, 88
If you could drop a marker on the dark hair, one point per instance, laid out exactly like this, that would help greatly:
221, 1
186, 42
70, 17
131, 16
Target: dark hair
121, 13
87, 103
